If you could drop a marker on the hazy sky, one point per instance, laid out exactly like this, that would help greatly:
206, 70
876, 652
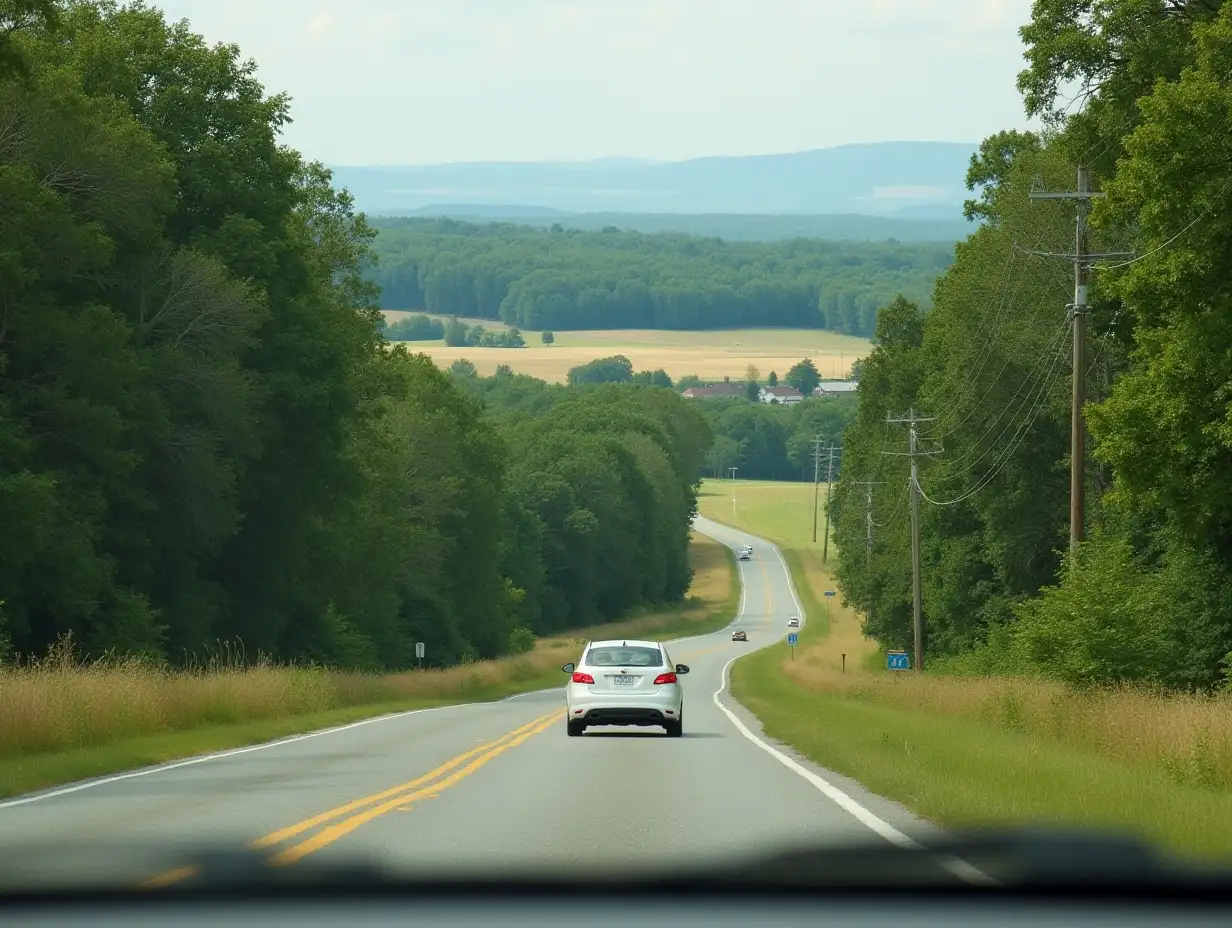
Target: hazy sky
428, 81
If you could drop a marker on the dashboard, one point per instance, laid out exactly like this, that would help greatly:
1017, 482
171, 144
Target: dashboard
621, 911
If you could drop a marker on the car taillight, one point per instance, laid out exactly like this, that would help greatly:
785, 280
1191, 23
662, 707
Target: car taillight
668, 677
579, 677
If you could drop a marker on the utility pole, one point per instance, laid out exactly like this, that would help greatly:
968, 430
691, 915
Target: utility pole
913, 485
816, 476
1077, 312
868, 517
825, 541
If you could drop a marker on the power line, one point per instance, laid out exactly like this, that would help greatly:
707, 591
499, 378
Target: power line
825, 541
868, 516
1009, 450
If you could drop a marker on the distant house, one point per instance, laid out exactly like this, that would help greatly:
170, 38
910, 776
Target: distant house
836, 388
714, 391
787, 396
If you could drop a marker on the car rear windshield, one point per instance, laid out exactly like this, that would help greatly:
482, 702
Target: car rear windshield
624, 656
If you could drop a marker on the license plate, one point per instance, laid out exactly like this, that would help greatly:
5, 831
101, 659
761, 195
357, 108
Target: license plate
623, 681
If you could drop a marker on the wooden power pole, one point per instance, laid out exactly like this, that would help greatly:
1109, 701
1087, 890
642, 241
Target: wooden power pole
1078, 311
913, 485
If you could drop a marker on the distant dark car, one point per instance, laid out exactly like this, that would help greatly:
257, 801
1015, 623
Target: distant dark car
739, 636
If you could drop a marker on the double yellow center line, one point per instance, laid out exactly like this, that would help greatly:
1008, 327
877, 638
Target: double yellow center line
344, 819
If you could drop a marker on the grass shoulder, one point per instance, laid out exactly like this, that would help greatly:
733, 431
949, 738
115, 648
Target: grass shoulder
979, 751
65, 721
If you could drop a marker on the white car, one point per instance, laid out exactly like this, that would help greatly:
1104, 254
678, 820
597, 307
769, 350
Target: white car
793, 622
624, 683
746, 554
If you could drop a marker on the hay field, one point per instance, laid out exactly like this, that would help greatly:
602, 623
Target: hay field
710, 354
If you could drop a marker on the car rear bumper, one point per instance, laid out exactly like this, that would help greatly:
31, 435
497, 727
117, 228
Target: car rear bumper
614, 710
625, 715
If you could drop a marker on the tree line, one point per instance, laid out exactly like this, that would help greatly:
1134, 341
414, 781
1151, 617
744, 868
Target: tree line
569, 279
204, 435
1144, 599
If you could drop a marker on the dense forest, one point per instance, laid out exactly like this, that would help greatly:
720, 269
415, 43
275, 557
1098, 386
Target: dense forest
1148, 596
770, 441
203, 435
569, 279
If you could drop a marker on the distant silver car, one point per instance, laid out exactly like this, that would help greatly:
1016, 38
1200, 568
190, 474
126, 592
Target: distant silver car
624, 683
746, 555
793, 622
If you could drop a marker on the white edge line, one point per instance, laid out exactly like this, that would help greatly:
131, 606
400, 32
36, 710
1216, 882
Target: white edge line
222, 755
877, 825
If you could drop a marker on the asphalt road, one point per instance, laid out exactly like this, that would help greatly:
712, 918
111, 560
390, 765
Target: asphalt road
494, 785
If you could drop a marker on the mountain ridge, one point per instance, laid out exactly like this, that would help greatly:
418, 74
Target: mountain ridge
920, 179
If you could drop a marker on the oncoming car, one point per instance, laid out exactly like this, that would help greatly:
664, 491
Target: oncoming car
624, 683
739, 635
793, 622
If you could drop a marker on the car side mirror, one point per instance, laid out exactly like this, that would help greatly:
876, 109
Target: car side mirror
568, 668
682, 668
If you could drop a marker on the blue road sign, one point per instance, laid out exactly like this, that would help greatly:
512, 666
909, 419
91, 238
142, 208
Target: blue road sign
791, 638
829, 592
898, 660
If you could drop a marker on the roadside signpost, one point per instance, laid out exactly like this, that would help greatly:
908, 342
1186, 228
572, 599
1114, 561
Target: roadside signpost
792, 638
419, 653
829, 594
898, 660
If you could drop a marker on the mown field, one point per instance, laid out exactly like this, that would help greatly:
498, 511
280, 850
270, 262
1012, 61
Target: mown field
64, 719
978, 752
711, 354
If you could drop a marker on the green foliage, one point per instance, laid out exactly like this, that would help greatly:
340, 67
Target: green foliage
616, 369
655, 378
771, 441
547, 337
521, 640
1145, 600
414, 328
540, 279
803, 376
772, 379
204, 434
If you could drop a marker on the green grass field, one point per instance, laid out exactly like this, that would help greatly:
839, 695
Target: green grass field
711, 354
64, 719
978, 752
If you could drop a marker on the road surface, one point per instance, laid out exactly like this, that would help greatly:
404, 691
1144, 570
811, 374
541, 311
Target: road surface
491, 785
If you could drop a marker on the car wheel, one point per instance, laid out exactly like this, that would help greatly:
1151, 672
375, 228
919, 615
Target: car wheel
674, 729
575, 728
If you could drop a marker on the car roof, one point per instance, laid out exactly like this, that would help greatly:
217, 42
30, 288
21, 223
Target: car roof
624, 642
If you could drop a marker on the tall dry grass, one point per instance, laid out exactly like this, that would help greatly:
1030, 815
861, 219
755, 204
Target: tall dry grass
1187, 737
63, 701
